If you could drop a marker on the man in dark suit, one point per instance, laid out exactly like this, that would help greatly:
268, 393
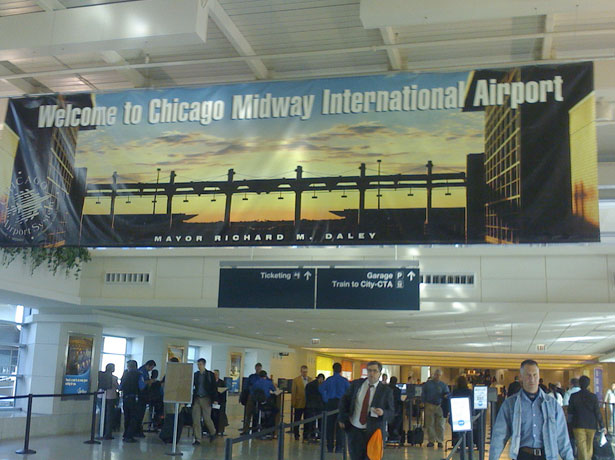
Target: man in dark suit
366, 406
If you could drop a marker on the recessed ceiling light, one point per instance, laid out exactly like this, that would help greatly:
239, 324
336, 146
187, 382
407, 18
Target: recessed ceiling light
390, 322
258, 333
290, 320
230, 327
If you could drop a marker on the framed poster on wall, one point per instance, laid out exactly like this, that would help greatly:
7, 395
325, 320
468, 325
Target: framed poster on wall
78, 365
235, 372
176, 351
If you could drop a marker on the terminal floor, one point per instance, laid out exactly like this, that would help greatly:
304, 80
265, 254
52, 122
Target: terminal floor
71, 447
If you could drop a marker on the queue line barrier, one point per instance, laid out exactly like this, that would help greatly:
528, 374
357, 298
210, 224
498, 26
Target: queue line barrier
280, 429
26, 445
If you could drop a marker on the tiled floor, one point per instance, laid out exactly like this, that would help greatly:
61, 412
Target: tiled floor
72, 447
151, 448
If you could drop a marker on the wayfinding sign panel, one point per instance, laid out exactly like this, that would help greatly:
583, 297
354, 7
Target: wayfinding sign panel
266, 288
369, 289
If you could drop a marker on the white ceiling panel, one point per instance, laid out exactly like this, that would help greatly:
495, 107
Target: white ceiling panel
10, 7
473, 29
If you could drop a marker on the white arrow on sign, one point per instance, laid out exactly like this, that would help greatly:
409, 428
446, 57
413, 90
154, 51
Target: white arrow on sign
411, 275
307, 275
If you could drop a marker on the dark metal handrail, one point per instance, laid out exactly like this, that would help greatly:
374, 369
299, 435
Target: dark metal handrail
280, 428
26, 445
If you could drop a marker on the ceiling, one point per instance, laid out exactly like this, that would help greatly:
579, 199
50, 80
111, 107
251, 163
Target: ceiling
246, 40
249, 40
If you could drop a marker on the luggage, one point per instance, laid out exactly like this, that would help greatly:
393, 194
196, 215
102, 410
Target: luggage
416, 436
166, 434
604, 452
186, 416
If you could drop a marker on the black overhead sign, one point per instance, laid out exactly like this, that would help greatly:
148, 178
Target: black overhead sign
266, 288
334, 288
368, 289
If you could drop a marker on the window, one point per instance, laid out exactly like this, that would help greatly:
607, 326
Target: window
114, 351
193, 353
11, 321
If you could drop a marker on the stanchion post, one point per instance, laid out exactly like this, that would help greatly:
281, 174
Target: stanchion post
281, 438
175, 425
103, 409
482, 424
323, 435
462, 453
92, 439
228, 449
26, 442
471, 446
492, 419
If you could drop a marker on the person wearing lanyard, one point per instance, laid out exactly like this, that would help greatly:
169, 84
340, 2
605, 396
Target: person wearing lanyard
365, 407
534, 423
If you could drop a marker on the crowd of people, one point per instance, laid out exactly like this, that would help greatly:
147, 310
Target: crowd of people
139, 389
541, 421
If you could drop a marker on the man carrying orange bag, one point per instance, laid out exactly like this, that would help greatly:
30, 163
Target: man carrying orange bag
364, 410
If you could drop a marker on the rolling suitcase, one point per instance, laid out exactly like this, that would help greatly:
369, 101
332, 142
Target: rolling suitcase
416, 435
166, 433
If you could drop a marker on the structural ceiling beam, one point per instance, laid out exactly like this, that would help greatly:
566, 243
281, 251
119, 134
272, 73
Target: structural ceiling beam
50, 5
388, 36
237, 39
21, 84
115, 26
384, 13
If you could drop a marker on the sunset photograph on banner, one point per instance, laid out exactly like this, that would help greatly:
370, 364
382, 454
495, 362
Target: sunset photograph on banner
496, 156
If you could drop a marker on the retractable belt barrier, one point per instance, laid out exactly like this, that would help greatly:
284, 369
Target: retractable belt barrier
609, 416
464, 444
26, 444
280, 429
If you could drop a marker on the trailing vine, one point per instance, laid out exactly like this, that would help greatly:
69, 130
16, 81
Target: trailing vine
64, 259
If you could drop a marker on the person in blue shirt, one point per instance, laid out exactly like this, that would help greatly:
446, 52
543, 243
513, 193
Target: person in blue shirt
250, 412
332, 391
142, 401
532, 421
434, 390
264, 384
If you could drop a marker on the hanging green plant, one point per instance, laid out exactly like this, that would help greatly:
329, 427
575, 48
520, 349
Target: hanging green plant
66, 259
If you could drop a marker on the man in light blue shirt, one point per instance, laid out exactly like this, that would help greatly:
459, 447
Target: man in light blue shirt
534, 423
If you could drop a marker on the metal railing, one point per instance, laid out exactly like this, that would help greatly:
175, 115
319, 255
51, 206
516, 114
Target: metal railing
26, 445
609, 417
280, 429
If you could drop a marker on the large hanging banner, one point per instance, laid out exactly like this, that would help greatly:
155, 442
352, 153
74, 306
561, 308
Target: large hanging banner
486, 156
